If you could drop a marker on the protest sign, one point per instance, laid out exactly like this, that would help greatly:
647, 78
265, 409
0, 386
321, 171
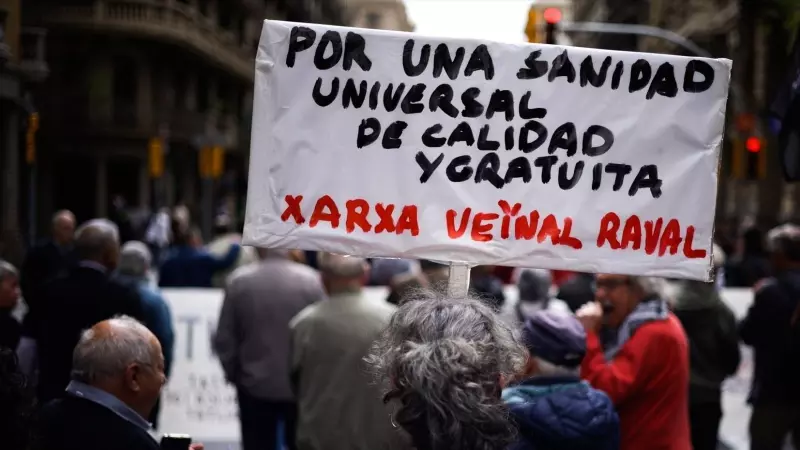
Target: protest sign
379, 143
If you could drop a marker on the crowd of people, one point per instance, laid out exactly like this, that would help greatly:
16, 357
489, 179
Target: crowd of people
578, 361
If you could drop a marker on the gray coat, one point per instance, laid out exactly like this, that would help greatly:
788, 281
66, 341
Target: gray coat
252, 339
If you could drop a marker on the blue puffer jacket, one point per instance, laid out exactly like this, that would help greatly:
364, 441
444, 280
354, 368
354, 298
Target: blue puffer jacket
562, 413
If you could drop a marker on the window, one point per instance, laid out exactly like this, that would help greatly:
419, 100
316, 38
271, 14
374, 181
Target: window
180, 82
3, 15
373, 20
202, 94
124, 91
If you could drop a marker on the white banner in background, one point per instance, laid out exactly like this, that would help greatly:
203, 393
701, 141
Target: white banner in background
381, 143
197, 400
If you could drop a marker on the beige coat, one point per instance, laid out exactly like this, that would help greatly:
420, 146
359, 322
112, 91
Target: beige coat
339, 404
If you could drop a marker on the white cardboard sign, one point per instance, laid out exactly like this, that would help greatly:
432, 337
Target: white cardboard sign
379, 143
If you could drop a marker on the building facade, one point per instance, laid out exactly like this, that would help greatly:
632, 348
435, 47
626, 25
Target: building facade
22, 66
126, 72
378, 14
750, 32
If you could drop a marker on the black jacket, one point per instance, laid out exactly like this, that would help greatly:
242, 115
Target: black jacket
72, 423
43, 263
776, 344
70, 305
710, 326
10, 330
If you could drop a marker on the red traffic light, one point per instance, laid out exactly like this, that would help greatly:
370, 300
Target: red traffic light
753, 144
552, 15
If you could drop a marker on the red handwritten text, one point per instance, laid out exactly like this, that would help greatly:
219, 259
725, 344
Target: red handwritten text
654, 235
385, 218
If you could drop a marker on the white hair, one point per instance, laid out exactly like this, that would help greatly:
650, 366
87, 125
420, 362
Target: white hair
546, 368
105, 355
134, 259
105, 225
94, 237
785, 239
442, 359
650, 286
7, 270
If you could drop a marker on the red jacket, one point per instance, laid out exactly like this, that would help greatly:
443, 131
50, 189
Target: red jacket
648, 381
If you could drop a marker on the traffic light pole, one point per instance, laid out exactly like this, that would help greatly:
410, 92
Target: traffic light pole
655, 32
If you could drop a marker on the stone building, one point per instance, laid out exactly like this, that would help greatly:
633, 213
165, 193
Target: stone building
753, 34
126, 71
22, 66
380, 14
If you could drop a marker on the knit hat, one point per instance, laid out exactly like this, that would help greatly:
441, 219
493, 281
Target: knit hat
557, 338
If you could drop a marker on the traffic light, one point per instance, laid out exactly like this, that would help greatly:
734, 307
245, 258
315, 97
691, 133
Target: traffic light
756, 161
552, 16
30, 138
217, 161
155, 151
532, 27
211, 162
749, 158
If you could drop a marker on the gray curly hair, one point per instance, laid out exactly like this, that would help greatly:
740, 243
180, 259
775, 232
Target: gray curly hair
444, 361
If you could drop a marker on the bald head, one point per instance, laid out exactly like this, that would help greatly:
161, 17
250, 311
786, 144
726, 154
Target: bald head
342, 274
109, 347
98, 241
340, 266
63, 227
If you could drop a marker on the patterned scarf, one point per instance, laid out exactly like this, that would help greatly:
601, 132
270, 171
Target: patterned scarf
646, 311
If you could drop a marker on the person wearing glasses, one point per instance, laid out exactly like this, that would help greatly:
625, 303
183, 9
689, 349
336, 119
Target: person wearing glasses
641, 362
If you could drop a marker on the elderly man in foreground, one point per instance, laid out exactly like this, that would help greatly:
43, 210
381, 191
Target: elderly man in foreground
642, 362
117, 375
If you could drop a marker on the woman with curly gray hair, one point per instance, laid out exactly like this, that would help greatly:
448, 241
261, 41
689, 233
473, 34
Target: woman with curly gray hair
445, 362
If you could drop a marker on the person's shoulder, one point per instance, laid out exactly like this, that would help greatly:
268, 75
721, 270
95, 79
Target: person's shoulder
380, 310
127, 287
304, 317
668, 331
559, 306
239, 274
768, 287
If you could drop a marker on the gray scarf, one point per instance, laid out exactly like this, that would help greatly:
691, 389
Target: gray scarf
647, 311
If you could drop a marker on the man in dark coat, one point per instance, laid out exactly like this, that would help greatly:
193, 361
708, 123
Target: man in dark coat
9, 296
117, 375
48, 259
769, 329
714, 353
85, 296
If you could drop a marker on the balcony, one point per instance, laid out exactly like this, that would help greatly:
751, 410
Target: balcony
173, 22
33, 62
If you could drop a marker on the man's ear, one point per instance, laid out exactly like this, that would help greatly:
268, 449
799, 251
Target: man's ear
132, 376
